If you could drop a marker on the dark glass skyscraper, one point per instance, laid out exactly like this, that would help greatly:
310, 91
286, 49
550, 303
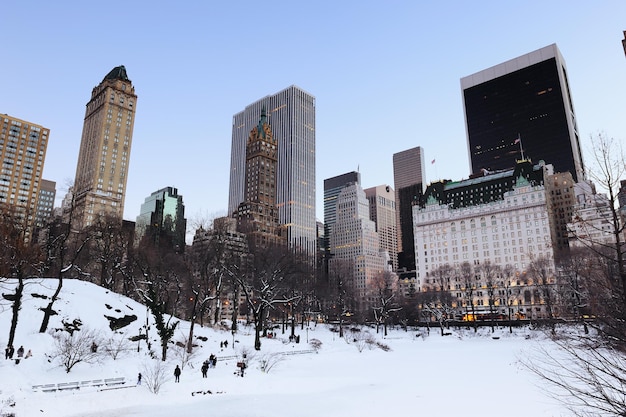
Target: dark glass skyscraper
162, 216
527, 98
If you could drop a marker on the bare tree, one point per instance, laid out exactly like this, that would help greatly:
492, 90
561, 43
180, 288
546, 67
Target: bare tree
507, 273
468, 279
72, 348
214, 261
609, 168
18, 259
64, 248
587, 377
490, 273
154, 373
341, 279
158, 273
541, 271
591, 368
266, 284
384, 288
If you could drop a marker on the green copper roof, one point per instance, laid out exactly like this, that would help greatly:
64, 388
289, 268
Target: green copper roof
262, 121
117, 73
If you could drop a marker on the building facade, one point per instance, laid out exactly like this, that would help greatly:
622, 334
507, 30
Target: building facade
291, 113
408, 177
522, 108
23, 148
162, 218
103, 159
382, 209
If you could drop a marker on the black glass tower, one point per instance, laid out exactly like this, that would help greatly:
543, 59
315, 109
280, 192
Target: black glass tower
522, 109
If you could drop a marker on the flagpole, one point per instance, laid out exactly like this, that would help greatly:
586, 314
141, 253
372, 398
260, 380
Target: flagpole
521, 149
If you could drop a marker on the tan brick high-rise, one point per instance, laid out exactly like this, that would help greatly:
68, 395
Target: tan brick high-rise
22, 152
102, 169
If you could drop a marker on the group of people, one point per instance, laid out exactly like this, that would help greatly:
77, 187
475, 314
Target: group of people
9, 352
209, 363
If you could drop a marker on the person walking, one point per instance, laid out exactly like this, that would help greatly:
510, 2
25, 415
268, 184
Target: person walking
20, 352
177, 374
205, 368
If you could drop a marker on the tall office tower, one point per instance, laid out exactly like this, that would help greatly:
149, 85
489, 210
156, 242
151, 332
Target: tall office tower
257, 215
291, 113
332, 188
45, 202
408, 177
162, 216
354, 243
22, 151
527, 98
102, 169
383, 213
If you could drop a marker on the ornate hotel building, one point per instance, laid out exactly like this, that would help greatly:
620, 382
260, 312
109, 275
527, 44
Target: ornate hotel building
102, 168
503, 220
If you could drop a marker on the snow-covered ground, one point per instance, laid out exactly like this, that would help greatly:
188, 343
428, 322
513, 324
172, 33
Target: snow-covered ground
458, 375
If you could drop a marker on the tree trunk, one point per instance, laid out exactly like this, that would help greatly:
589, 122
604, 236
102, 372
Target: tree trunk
47, 311
16, 306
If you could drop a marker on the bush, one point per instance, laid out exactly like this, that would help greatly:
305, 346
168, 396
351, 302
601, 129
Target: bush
75, 347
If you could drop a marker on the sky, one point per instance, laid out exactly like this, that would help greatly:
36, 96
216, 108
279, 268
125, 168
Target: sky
386, 77
419, 374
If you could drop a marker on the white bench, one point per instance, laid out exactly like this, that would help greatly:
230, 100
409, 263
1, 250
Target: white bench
79, 384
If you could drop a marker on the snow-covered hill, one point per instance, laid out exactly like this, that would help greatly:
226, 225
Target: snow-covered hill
420, 374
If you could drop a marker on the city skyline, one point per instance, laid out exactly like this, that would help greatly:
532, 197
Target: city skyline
377, 92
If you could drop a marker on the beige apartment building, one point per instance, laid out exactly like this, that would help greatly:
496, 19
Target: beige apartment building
23, 151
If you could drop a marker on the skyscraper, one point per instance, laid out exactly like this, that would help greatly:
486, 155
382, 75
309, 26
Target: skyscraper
408, 177
257, 215
162, 215
291, 114
22, 151
354, 243
102, 168
332, 188
522, 105
383, 213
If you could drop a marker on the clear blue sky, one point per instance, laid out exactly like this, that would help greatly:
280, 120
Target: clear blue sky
385, 74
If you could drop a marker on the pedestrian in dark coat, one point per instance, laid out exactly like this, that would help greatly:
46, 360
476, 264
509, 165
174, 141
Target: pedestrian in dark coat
20, 352
177, 374
139, 379
205, 368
